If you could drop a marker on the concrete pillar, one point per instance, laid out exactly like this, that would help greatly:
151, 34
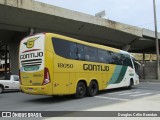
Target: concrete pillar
14, 57
14, 52
143, 66
126, 48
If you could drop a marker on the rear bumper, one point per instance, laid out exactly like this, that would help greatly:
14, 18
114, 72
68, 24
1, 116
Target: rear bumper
37, 90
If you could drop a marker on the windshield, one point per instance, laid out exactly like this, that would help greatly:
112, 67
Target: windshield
137, 66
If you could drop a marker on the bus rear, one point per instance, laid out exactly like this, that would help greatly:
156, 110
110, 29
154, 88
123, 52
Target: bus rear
34, 72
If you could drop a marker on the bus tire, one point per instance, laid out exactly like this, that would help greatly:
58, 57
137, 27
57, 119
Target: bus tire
1, 89
92, 89
80, 90
130, 84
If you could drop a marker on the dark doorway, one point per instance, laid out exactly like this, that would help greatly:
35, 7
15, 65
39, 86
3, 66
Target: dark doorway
4, 60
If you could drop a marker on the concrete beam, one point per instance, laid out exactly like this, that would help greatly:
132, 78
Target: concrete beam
149, 33
68, 14
21, 15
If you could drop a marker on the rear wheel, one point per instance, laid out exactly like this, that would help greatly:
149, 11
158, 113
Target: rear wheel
80, 90
1, 89
92, 89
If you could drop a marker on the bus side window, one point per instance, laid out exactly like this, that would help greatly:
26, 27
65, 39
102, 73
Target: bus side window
122, 59
61, 47
118, 59
80, 49
73, 51
111, 57
136, 66
90, 53
102, 56
115, 58
127, 61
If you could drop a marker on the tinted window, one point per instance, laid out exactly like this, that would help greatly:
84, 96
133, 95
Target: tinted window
136, 67
61, 47
76, 51
90, 54
103, 56
73, 51
111, 57
127, 61
68, 49
118, 58
80, 49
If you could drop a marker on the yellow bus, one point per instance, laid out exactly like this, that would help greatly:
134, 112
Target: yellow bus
52, 64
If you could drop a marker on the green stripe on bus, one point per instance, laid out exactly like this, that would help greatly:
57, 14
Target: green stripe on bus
122, 74
115, 75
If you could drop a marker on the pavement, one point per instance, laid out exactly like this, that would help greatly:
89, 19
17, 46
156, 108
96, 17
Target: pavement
151, 103
143, 97
146, 103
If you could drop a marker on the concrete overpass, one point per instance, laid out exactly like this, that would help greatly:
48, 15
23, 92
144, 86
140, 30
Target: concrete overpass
19, 17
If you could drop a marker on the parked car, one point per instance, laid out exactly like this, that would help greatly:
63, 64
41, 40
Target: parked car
11, 84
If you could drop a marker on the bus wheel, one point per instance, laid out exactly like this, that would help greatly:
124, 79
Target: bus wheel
92, 89
130, 84
80, 90
1, 89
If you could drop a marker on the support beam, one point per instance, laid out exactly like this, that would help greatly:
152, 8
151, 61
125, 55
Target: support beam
126, 48
156, 38
6, 57
143, 66
31, 32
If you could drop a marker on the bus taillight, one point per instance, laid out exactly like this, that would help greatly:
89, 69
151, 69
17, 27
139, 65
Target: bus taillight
46, 76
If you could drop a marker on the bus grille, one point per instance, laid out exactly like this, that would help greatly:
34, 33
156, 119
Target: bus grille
33, 62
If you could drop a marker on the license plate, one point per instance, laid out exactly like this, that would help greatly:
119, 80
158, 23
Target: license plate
30, 89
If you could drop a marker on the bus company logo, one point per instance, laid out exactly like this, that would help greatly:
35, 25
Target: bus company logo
30, 42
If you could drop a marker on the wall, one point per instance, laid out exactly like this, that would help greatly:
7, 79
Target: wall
148, 71
14, 52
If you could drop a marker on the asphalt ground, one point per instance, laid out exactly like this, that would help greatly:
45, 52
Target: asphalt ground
105, 100
18, 101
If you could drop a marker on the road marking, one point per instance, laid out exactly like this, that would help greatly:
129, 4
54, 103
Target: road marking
143, 87
129, 93
119, 92
153, 83
141, 94
111, 98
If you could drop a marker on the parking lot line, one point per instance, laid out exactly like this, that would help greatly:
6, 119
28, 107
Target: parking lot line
143, 87
143, 94
129, 93
104, 97
120, 92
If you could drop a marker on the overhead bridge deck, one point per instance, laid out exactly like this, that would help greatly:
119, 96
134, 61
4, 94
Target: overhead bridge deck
18, 18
